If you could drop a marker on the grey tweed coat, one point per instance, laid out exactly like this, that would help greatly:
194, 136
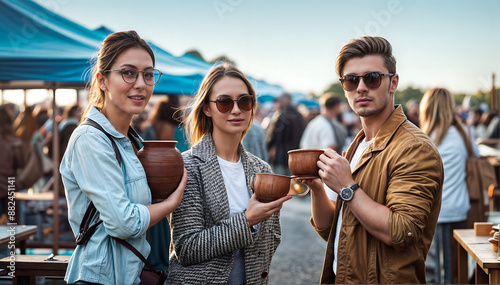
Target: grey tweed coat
204, 237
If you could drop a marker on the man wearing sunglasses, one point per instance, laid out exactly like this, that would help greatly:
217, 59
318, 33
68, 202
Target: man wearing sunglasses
380, 216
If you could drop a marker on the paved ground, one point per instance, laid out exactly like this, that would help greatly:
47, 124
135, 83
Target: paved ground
299, 258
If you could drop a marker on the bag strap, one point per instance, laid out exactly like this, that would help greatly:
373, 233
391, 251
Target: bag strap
136, 252
465, 137
86, 231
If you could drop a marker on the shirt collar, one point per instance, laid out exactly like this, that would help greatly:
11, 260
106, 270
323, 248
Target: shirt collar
99, 118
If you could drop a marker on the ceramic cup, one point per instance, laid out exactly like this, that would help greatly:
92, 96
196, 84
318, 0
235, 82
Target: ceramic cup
303, 162
269, 187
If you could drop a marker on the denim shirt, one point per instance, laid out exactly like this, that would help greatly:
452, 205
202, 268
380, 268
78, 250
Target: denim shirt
90, 170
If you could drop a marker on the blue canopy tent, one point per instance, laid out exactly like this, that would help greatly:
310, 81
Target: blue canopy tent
43, 49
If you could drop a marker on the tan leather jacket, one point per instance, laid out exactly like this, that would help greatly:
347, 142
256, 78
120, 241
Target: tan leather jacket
401, 169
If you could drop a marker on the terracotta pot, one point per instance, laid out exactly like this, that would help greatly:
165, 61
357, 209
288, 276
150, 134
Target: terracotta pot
303, 162
269, 187
163, 165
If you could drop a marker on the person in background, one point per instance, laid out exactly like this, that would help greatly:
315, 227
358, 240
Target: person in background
221, 234
284, 133
493, 131
412, 111
472, 123
25, 126
439, 120
483, 123
255, 139
122, 83
325, 131
11, 159
387, 187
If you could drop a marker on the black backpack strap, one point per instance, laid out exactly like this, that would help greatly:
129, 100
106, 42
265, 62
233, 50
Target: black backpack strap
86, 230
134, 138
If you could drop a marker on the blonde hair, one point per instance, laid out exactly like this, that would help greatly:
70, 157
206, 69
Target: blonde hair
197, 123
437, 113
112, 46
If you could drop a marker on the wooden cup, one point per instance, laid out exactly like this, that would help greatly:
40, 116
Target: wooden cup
303, 162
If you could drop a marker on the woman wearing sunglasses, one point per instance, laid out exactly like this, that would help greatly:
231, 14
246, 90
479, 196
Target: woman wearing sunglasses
122, 84
221, 234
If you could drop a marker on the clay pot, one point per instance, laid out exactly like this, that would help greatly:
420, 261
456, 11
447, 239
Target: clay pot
269, 187
163, 165
303, 162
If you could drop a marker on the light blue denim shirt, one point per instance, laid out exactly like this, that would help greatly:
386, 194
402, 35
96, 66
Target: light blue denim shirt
89, 169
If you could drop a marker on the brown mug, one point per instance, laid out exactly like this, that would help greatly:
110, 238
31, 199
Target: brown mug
303, 163
269, 187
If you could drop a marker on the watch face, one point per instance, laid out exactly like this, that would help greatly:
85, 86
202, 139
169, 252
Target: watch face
346, 194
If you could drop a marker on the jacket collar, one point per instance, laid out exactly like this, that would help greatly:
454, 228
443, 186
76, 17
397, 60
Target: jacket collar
215, 192
381, 140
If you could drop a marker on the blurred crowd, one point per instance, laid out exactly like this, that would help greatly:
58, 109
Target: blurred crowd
27, 136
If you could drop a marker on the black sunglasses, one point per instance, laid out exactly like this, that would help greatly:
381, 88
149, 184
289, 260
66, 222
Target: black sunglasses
372, 80
226, 103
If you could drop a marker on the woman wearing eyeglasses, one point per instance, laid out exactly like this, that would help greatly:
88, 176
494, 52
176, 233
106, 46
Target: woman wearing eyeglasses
122, 84
221, 234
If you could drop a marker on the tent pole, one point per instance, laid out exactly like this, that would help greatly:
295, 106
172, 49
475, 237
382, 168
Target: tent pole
493, 94
55, 173
25, 98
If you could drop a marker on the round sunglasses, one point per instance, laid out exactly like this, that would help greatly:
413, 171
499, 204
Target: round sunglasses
225, 103
372, 80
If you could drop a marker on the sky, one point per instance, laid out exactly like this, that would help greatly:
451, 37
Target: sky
450, 43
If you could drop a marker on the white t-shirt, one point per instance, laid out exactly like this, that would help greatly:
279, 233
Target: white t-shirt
333, 196
236, 185
239, 197
318, 134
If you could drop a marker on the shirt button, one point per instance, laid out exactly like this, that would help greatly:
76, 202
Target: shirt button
409, 234
264, 274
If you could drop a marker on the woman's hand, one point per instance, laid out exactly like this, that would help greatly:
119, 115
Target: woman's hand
259, 211
176, 197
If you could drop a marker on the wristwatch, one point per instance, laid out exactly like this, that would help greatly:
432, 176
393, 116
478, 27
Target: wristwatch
346, 193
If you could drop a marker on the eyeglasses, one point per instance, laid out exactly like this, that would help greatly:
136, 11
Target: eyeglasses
130, 75
372, 80
226, 103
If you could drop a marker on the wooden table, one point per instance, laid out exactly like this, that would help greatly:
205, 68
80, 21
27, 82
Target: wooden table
43, 196
487, 263
18, 234
27, 267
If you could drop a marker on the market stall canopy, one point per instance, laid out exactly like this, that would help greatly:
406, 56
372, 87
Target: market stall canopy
41, 46
41, 49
